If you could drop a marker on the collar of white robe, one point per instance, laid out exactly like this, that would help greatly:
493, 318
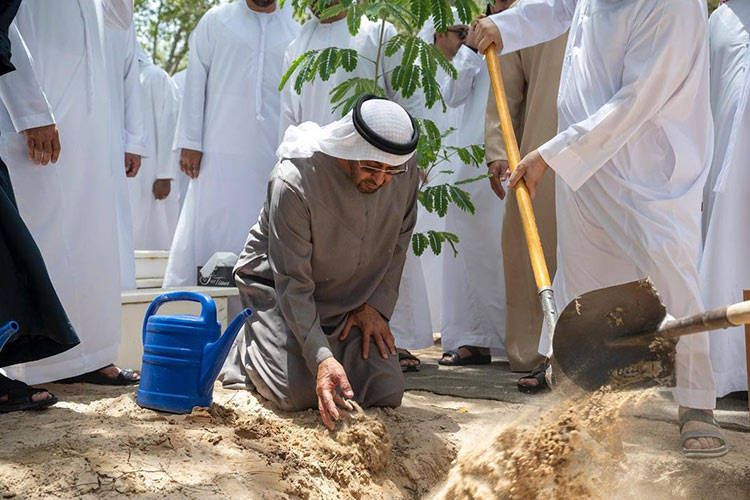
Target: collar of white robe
392, 135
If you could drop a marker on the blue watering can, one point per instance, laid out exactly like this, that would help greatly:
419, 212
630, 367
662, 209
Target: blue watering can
182, 354
6, 332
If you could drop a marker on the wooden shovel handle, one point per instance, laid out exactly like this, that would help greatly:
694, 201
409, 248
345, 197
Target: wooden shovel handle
534, 244
724, 317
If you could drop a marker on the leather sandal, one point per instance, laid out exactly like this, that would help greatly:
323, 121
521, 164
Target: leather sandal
125, 377
406, 355
540, 375
476, 357
20, 396
693, 415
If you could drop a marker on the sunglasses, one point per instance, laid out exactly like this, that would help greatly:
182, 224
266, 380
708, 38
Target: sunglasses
389, 171
461, 32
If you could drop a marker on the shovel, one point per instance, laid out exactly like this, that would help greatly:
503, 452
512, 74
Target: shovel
534, 244
612, 328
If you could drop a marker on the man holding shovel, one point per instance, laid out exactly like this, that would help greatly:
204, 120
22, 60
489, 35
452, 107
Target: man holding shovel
631, 157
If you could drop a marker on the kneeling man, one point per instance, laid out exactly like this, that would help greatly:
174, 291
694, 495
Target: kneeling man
322, 266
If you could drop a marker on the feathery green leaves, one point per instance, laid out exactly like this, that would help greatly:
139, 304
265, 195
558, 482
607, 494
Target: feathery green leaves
421, 11
442, 15
419, 243
461, 199
329, 61
354, 19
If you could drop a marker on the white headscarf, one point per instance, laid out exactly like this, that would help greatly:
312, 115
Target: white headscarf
341, 140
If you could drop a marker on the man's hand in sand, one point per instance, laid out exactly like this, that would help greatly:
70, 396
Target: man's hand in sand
132, 164
499, 172
330, 376
190, 162
486, 33
43, 144
531, 169
372, 324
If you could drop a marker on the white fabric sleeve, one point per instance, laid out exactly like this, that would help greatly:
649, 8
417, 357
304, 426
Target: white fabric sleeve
20, 90
134, 133
165, 118
469, 65
659, 59
189, 133
118, 14
531, 22
289, 108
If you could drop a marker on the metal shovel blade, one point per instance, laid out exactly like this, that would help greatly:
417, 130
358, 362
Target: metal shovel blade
589, 326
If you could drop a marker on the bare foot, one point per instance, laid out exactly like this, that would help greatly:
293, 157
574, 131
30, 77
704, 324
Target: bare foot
465, 353
703, 443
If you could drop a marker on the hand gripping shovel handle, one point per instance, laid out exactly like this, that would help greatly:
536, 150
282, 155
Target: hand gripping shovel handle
534, 244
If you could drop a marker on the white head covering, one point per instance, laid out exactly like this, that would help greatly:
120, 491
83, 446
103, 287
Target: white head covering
427, 33
340, 139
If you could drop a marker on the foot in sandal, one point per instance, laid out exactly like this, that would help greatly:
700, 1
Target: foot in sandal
466, 355
17, 396
108, 375
408, 361
540, 379
700, 434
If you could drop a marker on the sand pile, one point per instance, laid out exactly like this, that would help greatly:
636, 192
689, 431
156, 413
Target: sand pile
98, 445
574, 450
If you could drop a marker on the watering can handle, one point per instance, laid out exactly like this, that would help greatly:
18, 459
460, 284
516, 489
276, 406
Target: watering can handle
207, 303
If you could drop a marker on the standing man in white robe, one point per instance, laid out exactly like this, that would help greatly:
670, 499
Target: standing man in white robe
154, 197
182, 180
69, 207
473, 320
314, 102
631, 157
127, 154
724, 268
228, 129
179, 80
410, 322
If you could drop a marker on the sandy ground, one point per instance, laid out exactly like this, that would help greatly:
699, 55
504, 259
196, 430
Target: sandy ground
97, 443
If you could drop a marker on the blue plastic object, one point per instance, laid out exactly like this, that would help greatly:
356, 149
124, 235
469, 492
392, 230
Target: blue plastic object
6, 332
183, 354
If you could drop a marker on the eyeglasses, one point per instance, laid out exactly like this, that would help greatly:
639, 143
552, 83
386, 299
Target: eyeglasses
388, 171
461, 32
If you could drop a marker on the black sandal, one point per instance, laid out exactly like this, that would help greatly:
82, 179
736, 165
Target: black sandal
20, 396
406, 355
125, 377
476, 357
540, 375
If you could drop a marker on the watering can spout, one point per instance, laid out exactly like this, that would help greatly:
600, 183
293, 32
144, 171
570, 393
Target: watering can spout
214, 354
6, 332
